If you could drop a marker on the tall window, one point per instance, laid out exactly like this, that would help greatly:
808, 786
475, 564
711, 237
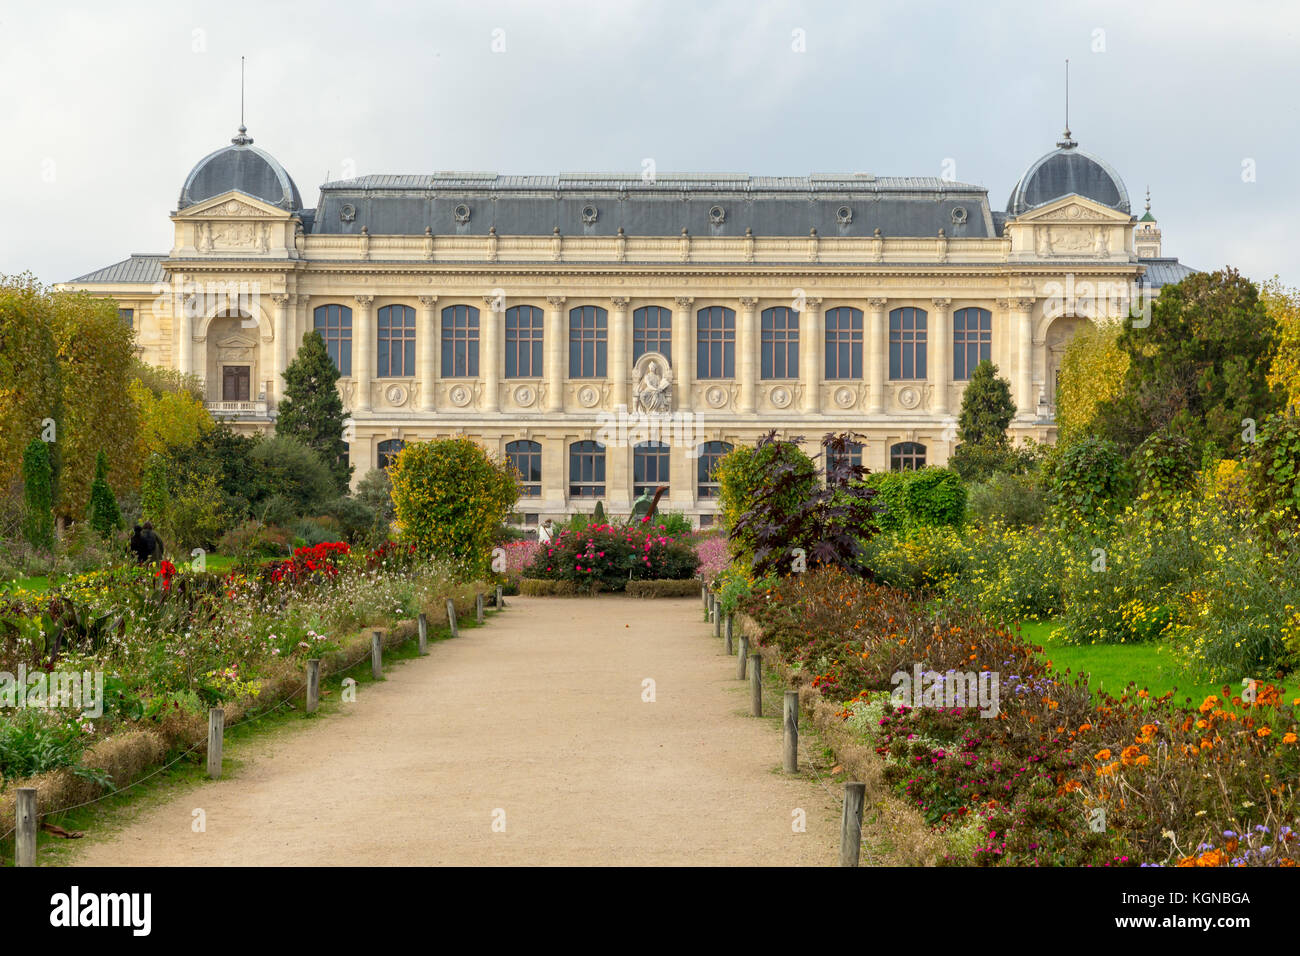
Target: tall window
334, 323
588, 341
649, 467
526, 457
972, 341
780, 341
388, 451
715, 339
127, 316
906, 456
396, 341
460, 341
652, 331
843, 343
524, 341
706, 483
907, 343
586, 470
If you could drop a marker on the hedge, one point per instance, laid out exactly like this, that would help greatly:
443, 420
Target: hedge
926, 498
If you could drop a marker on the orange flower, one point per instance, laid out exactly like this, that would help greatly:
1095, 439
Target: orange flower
1290, 737
1129, 753
1102, 754
1263, 732
1207, 705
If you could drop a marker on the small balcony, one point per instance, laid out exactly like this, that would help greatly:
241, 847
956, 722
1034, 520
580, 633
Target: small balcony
237, 411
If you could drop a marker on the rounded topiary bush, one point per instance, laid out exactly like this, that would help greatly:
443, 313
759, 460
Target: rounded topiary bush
1088, 477
1165, 463
449, 498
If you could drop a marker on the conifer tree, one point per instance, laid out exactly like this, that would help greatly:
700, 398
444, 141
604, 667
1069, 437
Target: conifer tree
105, 516
38, 495
311, 409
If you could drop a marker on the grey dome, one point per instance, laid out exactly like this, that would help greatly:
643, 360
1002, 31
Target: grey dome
243, 167
1067, 170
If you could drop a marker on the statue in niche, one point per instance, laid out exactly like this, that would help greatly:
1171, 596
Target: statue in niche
653, 390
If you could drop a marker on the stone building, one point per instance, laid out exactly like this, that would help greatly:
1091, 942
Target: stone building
614, 332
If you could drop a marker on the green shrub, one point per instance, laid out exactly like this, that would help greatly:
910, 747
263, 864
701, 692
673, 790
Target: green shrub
663, 589
450, 497
1274, 466
926, 498
924, 559
612, 555
289, 469
744, 472
1164, 464
1088, 478
252, 540
1015, 501
105, 516
38, 495
539, 587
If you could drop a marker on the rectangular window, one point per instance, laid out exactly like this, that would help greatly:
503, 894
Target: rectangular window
460, 341
649, 467
524, 329
844, 343
907, 344
127, 316
334, 323
396, 355
715, 339
588, 342
586, 470
780, 343
526, 458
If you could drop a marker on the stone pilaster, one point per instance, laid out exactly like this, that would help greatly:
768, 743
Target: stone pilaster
683, 352
940, 358
747, 347
363, 352
490, 351
877, 364
812, 348
427, 338
618, 350
556, 337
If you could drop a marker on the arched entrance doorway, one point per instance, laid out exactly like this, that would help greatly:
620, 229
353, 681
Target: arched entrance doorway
1059, 333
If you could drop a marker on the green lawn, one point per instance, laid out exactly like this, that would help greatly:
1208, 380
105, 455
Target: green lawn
217, 563
1111, 666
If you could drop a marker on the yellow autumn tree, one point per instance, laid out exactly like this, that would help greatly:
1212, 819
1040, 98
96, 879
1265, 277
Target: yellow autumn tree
172, 415
1283, 307
1092, 372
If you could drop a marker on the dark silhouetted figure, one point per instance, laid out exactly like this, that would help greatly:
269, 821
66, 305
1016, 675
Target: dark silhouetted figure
146, 545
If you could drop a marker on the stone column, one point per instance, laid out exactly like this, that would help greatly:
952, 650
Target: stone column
618, 478
556, 338
876, 367
282, 333
363, 351
302, 320
683, 352
681, 477
747, 346
185, 332
618, 351
811, 353
490, 351
940, 358
1022, 311
427, 336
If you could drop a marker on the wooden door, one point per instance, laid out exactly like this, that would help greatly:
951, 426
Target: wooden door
235, 381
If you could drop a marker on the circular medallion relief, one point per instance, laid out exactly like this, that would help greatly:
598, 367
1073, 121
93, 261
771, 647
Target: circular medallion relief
779, 396
588, 396
716, 396
845, 397
525, 395
909, 397
396, 394
460, 395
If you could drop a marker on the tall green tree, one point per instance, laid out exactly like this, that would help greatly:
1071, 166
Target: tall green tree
38, 495
1200, 368
105, 516
311, 409
986, 413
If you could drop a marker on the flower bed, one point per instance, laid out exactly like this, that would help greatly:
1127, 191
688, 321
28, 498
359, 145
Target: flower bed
1053, 778
607, 557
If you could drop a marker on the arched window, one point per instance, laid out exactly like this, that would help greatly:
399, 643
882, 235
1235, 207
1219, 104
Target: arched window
779, 328
334, 323
906, 456
586, 470
588, 341
396, 341
388, 451
460, 341
524, 328
715, 337
711, 452
843, 343
854, 455
972, 341
526, 458
907, 344
652, 331
649, 467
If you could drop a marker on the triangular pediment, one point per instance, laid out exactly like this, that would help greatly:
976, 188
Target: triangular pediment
236, 340
233, 205
1074, 208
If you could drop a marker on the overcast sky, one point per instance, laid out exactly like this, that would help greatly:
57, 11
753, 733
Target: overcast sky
108, 105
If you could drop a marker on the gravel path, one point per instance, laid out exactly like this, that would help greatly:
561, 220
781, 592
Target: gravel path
536, 720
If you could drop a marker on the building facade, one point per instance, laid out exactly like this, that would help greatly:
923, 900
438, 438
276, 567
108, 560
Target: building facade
610, 333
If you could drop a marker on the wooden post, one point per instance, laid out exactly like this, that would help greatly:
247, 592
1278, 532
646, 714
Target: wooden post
313, 684
704, 595
377, 654
216, 734
742, 657
478, 607
717, 619
727, 631
501, 600
755, 684
25, 827
451, 617
851, 826
790, 738
708, 605
422, 627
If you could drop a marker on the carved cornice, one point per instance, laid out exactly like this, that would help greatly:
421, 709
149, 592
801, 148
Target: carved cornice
748, 301
364, 299
684, 301
556, 300
877, 302
941, 303
1020, 305
619, 301
427, 301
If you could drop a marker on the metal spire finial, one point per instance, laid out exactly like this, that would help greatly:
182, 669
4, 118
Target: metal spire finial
1067, 141
1148, 199
241, 138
